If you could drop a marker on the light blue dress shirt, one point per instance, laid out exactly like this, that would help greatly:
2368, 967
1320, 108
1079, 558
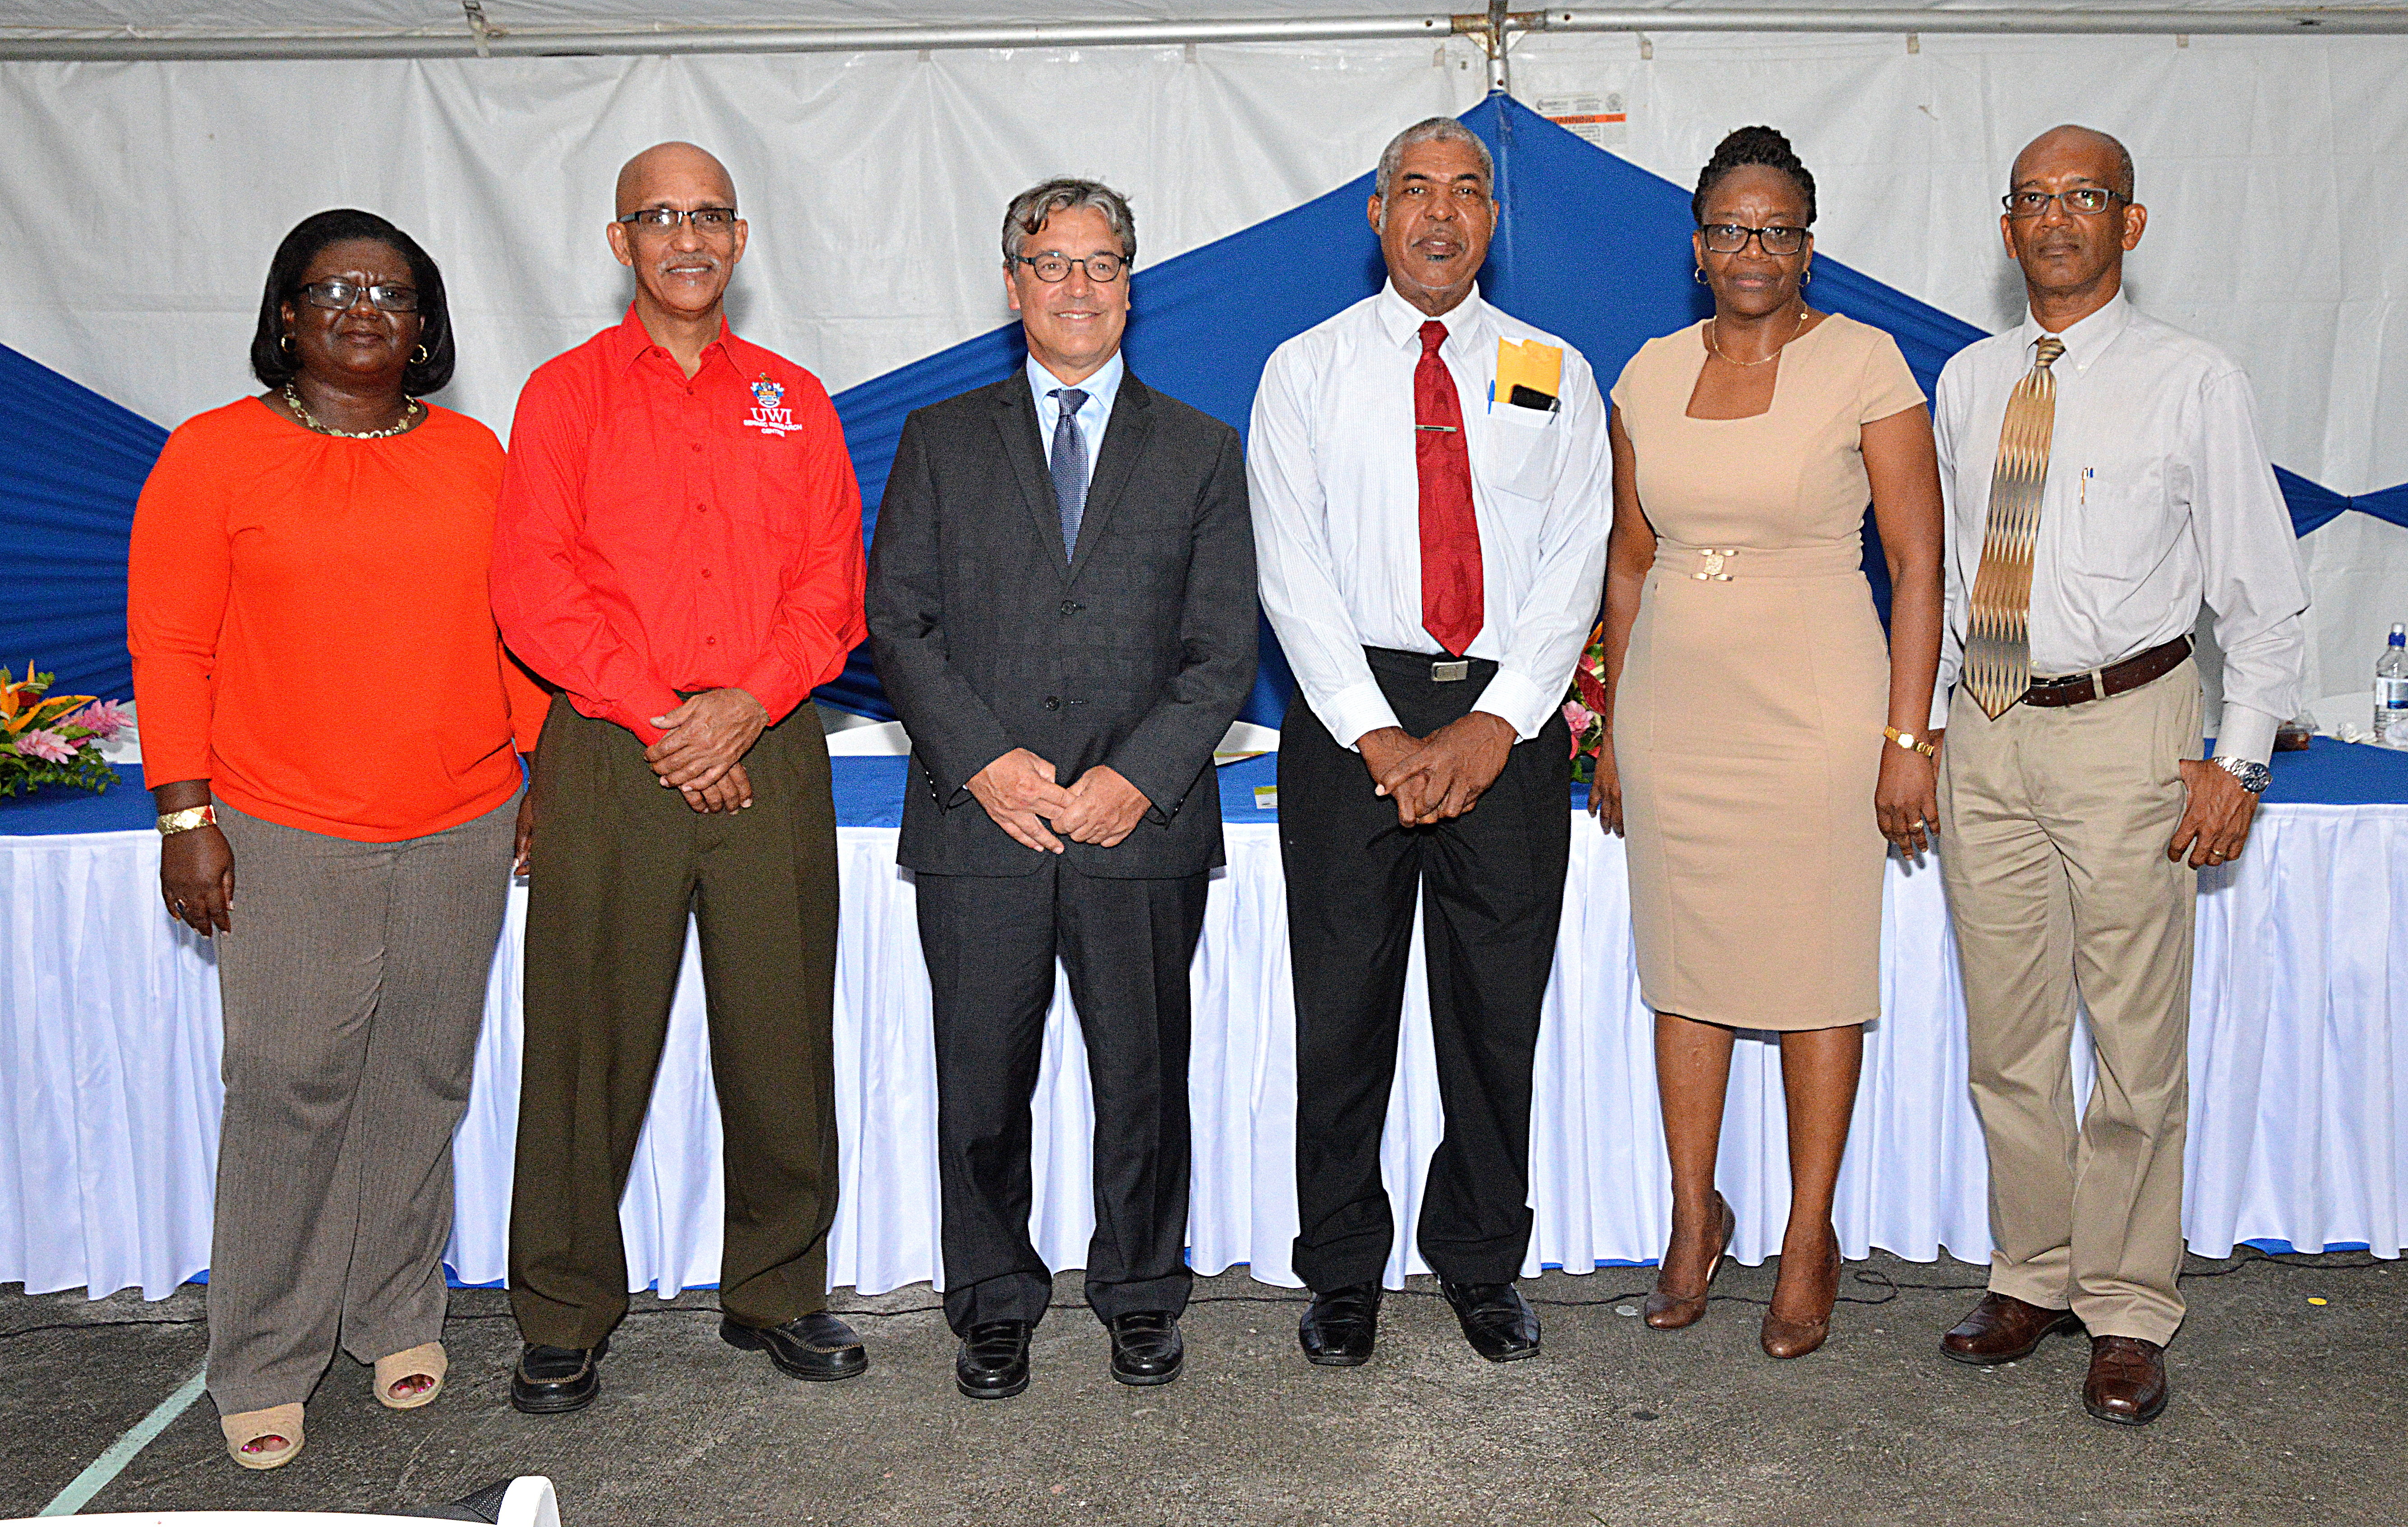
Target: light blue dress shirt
1101, 388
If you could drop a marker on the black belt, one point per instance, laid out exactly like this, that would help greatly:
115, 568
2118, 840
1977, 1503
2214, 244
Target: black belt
1434, 669
2101, 683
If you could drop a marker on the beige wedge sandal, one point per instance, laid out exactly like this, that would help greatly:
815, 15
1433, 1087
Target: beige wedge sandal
248, 1427
424, 1361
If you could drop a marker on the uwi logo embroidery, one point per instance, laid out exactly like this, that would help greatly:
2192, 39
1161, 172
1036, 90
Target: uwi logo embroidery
766, 416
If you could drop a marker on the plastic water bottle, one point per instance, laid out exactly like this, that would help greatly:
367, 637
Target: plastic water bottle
2391, 691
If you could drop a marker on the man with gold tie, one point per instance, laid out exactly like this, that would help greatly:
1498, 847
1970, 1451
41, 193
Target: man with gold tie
2105, 478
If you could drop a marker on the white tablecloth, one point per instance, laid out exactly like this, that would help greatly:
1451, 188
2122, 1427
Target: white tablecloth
108, 1043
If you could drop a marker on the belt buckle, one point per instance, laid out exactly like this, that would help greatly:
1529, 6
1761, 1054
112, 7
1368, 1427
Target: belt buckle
1451, 673
1713, 568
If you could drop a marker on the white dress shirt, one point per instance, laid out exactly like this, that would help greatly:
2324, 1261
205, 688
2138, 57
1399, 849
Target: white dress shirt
1102, 390
2159, 496
1336, 507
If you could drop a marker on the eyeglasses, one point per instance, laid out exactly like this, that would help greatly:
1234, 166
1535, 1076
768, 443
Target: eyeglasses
337, 296
662, 219
1101, 269
2085, 201
1731, 237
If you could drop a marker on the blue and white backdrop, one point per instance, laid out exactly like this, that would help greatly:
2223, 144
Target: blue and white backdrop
138, 220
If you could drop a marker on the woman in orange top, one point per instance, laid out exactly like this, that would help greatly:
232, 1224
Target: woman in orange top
330, 719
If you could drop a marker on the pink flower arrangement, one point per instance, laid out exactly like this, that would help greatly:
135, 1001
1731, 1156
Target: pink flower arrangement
47, 746
52, 739
102, 718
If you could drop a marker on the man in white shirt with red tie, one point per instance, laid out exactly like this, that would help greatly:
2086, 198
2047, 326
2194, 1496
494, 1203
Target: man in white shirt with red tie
2104, 480
1430, 486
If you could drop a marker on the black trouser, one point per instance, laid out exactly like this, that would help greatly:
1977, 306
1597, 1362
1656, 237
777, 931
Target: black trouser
619, 863
990, 943
1491, 887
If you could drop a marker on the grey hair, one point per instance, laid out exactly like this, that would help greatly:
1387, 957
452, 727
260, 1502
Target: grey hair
1031, 207
1432, 130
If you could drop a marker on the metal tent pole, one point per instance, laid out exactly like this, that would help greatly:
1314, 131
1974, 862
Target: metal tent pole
481, 36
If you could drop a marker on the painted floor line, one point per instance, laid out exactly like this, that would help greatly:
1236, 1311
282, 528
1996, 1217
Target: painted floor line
109, 1465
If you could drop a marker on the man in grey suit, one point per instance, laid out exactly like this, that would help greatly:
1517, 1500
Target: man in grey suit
1061, 609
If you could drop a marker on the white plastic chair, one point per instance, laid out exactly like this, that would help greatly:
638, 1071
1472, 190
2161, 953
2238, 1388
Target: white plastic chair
528, 1503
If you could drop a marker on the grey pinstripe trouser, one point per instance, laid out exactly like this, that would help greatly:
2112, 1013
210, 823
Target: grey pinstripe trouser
352, 983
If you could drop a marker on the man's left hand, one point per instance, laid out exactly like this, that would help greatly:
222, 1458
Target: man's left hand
1104, 808
1446, 776
707, 734
2215, 819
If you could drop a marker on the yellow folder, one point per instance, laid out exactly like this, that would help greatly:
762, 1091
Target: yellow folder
1529, 364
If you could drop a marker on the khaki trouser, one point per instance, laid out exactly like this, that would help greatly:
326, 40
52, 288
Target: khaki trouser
619, 863
2054, 826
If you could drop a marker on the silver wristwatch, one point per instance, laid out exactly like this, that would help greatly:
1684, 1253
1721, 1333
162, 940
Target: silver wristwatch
2253, 777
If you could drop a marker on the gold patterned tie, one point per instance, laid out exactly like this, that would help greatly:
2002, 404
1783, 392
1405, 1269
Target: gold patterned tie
1998, 650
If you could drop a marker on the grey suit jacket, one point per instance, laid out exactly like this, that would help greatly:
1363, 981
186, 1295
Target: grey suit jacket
1135, 652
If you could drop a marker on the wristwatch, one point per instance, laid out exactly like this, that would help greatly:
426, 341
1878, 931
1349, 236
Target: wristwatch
172, 822
1909, 741
2253, 777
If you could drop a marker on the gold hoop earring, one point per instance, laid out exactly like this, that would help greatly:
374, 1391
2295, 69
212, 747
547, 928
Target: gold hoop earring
1698, 274
1806, 277
419, 356
284, 343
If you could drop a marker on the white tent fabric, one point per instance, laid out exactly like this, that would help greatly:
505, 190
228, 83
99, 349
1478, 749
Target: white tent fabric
140, 201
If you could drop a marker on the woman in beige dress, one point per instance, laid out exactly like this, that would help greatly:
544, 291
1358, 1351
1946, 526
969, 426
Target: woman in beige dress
1750, 687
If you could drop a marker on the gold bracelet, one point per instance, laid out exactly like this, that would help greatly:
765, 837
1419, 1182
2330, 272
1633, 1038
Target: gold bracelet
1909, 741
172, 822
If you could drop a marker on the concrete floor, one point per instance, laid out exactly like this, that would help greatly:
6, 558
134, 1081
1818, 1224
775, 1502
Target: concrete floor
2285, 1411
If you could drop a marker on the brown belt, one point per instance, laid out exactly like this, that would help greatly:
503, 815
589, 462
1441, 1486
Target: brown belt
2100, 683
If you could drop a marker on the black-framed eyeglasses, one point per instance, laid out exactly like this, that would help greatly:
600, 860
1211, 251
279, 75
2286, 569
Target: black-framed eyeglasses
338, 295
1102, 269
1731, 237
2081, 201
662, 219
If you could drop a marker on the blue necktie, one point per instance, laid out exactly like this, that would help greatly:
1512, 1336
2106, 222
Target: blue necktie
1069, 465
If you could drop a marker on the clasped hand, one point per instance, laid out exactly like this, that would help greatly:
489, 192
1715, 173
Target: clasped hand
706, 738
1019, 792
1440, 776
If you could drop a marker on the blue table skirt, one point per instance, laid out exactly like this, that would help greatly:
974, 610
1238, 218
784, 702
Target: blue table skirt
869, 791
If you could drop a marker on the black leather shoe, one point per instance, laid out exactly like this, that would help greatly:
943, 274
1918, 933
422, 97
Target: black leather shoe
551, 1380
1341, 1326
1497, 1321
1146, 1347
993, 1362
817, 1346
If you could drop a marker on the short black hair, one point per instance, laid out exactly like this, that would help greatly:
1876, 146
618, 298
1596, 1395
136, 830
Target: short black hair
1746, 145
274, 366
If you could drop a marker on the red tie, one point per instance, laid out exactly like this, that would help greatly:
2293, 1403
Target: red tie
1451, 595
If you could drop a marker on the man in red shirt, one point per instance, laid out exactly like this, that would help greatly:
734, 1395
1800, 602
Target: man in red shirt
679, 550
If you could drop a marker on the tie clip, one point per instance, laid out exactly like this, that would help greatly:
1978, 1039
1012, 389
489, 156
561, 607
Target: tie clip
1443, 429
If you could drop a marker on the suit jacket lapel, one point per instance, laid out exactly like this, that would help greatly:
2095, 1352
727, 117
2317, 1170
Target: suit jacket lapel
1125, 434
1015, 417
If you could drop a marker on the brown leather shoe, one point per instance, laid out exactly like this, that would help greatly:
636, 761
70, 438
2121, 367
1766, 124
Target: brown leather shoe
1784, 1337
1670, 1312
2003, 1329
2127, 1380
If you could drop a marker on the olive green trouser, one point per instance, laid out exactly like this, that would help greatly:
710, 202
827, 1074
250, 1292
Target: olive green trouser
619, 863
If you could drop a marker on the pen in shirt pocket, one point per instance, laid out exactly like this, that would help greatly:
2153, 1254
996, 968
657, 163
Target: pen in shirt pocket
2087, 473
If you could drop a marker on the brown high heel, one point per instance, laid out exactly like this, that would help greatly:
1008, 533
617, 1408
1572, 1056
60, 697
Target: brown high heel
1667, 1313
1786, 1338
